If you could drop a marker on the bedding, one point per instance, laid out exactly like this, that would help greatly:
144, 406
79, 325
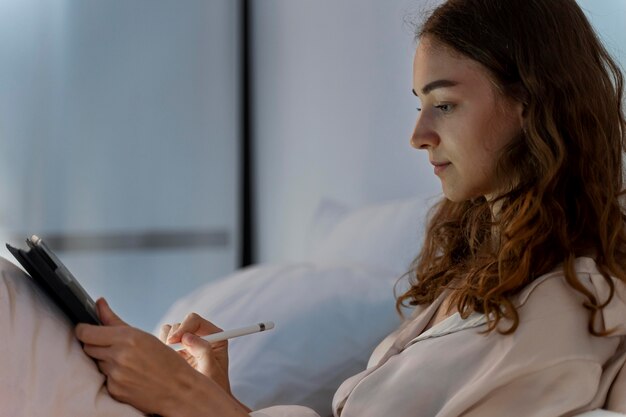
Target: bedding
43, 370
386, 235
329, 317
45, 373
330, 310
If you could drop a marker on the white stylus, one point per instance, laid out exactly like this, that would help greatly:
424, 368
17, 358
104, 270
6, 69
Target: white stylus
230, 334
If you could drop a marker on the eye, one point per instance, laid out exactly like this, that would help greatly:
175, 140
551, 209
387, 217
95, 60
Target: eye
419, 109
445, 108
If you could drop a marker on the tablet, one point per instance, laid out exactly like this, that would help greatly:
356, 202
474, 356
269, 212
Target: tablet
49, 273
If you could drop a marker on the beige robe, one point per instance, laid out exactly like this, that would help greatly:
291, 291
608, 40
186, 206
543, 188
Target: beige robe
551, 366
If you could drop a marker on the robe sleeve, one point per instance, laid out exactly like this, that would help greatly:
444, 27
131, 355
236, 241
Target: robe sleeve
560, 389
617, 394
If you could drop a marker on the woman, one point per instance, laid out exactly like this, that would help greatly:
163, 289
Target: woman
519, 291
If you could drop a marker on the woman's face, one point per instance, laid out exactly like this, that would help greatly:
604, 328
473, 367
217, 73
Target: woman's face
464, 121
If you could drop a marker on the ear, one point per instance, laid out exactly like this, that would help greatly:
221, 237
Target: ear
521, 97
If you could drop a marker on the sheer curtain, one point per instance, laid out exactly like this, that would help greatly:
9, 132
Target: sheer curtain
119, 142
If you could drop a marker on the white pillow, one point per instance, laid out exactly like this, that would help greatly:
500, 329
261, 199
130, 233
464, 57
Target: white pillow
328, 320
386, 236
327, 215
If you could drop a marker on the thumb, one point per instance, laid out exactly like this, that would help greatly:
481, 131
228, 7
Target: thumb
195, 345
107, 316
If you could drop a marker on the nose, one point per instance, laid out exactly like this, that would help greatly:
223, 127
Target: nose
423, 137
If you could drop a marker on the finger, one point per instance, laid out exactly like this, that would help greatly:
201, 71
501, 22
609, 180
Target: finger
188, 357
100, 335
107, 316
193, 323
170, 336
99, 353
195, 345
164, 332
108, 370
105, 367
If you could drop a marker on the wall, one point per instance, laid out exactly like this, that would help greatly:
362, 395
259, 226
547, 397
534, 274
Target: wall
608, 17
333, 113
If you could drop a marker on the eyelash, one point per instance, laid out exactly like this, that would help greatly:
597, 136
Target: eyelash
440, 107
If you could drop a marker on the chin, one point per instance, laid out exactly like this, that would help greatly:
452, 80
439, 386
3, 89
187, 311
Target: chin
459, 197
457, 200
453, 195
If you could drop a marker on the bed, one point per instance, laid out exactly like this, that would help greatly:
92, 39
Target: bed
330, 310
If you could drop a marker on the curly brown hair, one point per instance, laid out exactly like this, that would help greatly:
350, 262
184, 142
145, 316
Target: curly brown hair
545, 54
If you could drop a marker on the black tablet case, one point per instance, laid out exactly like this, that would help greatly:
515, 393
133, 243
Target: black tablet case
42, 270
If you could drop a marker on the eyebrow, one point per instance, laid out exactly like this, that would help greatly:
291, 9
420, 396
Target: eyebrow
436, 84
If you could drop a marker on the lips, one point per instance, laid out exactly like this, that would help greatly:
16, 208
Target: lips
440, 166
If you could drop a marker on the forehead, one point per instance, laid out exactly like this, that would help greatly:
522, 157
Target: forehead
435, 61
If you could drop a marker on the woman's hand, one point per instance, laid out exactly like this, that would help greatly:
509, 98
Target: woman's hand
210, 359
148, 375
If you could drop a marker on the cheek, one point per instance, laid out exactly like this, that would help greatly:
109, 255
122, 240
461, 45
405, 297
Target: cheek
504, 126
488, 141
